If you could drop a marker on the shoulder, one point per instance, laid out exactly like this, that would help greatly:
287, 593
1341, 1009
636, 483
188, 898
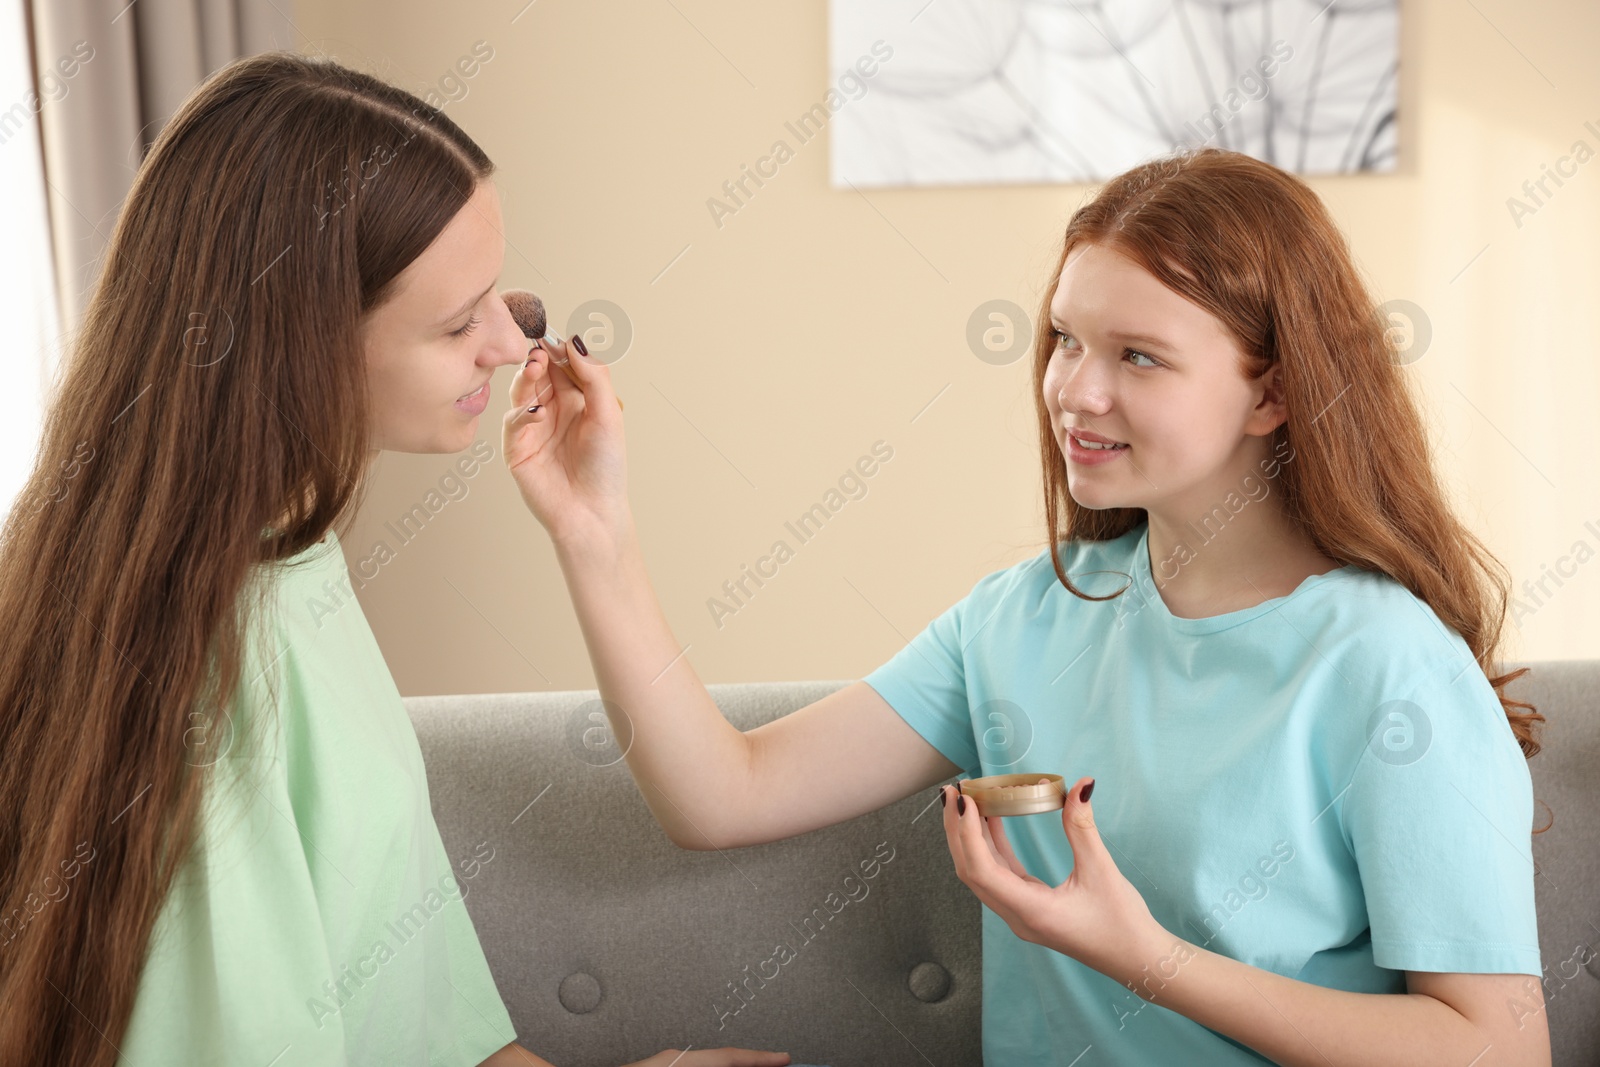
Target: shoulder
317, 561
1407, 674
1380, 621
303, 592
303, 631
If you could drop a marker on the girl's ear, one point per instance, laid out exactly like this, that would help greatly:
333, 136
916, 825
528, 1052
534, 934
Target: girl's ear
1271, 410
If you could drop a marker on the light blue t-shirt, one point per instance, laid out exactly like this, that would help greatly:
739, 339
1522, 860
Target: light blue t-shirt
1324, 786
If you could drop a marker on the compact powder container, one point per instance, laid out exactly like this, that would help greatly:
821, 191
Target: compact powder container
1016, 794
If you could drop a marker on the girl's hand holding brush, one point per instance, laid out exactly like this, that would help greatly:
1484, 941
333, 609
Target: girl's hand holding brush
562, 438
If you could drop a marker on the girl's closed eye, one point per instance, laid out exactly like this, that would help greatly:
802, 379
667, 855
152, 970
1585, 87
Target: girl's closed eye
1062, 338
471, 324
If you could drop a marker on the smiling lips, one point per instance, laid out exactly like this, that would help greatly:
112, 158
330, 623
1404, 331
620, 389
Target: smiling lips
474, 402
1089, 438
1085, 449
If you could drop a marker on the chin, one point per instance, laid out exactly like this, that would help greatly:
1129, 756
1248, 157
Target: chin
1086, 497
447, 442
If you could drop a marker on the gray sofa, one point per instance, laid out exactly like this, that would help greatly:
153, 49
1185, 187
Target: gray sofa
853, 946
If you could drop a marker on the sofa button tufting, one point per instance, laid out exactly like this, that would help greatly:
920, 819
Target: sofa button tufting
929, 982
579, 993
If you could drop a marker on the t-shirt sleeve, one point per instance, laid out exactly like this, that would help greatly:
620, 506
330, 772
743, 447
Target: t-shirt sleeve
926, 684
1439, 815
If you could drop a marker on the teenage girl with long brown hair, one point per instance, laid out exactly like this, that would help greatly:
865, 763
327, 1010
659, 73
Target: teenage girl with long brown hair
214, 817
1255, 623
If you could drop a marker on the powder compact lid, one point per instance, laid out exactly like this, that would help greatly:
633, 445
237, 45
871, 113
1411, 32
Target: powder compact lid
1016, 794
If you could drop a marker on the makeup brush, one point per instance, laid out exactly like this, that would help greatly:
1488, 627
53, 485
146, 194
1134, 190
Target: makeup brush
528, 311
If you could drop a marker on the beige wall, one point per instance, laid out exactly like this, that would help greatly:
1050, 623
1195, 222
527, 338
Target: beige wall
779, 348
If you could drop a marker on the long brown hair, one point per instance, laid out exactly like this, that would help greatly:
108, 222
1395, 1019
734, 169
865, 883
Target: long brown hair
213, 415
1255, 247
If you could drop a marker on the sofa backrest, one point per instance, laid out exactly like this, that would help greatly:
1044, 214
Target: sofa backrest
1566, 857
852, 945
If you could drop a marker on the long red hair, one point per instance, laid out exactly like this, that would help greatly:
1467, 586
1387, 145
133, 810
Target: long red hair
1255, 247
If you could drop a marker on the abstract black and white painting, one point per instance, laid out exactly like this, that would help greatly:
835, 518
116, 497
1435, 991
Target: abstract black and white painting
954, 92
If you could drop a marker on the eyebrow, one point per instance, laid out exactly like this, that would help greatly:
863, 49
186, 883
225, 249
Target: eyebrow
467, 306
1136, 338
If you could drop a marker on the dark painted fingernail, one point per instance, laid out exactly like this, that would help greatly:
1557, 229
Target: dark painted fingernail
533, 409
944, 798
961, 805
577, 342
1084, 796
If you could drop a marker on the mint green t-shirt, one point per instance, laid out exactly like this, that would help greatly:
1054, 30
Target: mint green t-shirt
1324, 786
319, 920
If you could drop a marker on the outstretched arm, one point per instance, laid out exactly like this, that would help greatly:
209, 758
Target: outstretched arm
708, 784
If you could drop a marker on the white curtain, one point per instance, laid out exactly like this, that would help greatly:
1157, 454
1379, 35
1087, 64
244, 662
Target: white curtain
147, 57
85, 86
28, 306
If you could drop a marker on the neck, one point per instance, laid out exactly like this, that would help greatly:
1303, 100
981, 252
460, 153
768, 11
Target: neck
1231, 555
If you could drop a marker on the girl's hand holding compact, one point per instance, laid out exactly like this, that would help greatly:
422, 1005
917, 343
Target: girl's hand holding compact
1096, 916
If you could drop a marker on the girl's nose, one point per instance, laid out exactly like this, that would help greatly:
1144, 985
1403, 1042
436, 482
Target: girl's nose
1081, 393
516, 346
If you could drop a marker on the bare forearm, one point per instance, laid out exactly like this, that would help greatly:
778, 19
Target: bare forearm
691, 764
1300, 1024
514, 1055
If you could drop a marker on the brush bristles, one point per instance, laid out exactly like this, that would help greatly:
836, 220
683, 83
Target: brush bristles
527, 310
